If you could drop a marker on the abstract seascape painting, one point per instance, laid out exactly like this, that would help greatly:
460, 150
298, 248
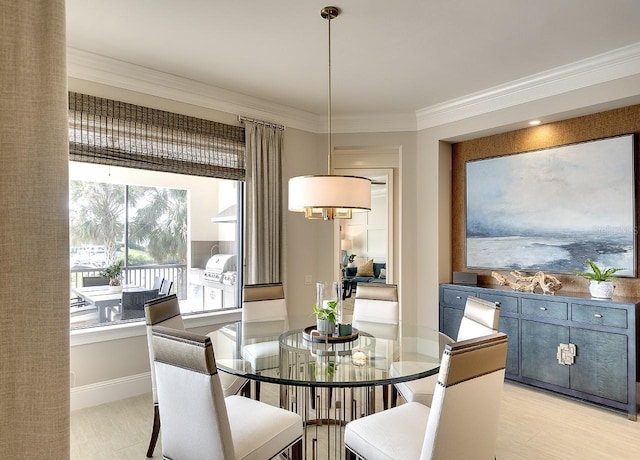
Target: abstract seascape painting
552, 209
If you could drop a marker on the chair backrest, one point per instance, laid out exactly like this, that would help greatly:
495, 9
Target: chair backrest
194, 419
264, 310
165, 287
464, 414
375, 307
161, 311
94, 281
481, 317
133, 303
157, 282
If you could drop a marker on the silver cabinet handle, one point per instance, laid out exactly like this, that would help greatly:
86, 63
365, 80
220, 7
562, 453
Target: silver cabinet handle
543, 308
598, 315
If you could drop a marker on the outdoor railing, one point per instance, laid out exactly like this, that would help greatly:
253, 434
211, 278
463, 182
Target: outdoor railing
142, 275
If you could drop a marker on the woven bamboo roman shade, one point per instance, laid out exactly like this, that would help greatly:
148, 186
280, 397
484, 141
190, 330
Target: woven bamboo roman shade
119, 134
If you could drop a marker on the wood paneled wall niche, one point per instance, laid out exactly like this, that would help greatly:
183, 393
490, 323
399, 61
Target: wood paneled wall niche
590, 127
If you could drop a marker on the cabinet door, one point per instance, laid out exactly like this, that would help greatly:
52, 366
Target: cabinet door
539, 352
451, 319
600, 366
510, 327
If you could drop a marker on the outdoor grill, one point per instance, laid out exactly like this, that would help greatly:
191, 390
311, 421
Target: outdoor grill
220, 269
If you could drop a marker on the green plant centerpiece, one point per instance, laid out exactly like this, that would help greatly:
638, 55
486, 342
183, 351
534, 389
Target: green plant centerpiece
326, 317
600, 279
113, 272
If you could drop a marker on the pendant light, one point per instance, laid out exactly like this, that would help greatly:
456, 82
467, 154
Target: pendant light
329, 196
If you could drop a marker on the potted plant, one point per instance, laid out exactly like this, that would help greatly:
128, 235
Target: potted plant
326, 317
113, 272
600, 284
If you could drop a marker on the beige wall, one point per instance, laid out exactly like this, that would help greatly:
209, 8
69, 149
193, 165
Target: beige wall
433, 169
581, 129
424, 219
305, 241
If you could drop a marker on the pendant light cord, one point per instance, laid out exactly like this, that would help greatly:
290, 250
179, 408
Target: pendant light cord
329, 103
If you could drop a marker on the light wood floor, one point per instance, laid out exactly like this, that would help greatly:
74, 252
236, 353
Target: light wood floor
534, 425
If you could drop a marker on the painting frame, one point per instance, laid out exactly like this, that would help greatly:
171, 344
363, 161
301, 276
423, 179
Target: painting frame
551, 209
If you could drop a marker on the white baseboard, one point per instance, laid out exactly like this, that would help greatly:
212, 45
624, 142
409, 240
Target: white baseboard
110, 390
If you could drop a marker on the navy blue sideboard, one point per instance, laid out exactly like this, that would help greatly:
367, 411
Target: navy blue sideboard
543, 329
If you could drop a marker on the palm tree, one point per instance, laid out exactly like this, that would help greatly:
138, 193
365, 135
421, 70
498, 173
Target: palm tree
97, 216
161, 224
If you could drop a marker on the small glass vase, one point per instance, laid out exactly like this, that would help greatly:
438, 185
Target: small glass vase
328, 292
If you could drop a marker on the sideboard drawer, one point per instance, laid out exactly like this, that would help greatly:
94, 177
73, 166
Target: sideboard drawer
603, 316
507, 303
544, 308
455, 297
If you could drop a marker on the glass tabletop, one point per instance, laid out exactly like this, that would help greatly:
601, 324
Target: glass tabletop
375, 354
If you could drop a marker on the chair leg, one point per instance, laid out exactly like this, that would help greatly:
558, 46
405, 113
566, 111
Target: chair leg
155, 432
257, 390
246, 389
296, 450
394, 396
385, 397
313, 398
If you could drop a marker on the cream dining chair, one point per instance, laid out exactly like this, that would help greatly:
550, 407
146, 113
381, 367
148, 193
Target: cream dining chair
480, 317
264, 318
165, 311
376, 310
198, 422
462, 422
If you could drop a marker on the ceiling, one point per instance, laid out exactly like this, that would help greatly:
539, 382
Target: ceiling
388, 58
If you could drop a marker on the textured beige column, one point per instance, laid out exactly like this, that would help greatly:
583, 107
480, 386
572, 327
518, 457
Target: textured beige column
34, 242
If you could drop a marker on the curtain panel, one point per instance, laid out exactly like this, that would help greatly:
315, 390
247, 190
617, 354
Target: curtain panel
120, 134
34, 196
264, 203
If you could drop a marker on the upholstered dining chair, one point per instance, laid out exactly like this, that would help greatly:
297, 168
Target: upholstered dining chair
376, 309
480, 317
198, 422
264, 316
165, 311
462, 422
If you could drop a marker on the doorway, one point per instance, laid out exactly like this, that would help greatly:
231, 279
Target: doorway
370, 235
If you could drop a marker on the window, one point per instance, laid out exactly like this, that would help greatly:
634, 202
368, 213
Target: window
146, 186
162, 226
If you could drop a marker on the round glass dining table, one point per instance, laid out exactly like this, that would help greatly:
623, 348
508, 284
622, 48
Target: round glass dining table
328, 380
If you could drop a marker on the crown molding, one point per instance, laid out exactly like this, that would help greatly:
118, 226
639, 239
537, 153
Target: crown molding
619, 63
100, 69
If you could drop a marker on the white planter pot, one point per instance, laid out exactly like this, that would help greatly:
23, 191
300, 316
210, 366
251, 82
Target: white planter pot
325, 327
601, 289
115, 288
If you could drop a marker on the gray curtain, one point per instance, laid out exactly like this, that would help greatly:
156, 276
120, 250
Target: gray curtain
264, 201
34, 279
